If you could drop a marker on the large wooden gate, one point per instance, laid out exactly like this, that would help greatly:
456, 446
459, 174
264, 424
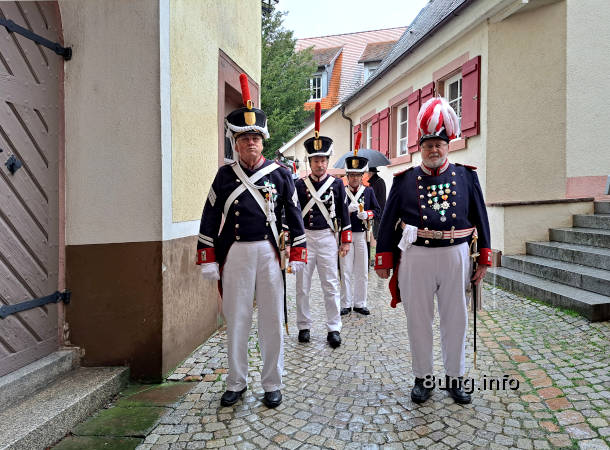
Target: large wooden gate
29, 124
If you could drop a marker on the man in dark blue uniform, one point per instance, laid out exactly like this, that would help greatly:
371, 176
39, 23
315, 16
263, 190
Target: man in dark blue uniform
432, 213
328, 232
251, 194
363, 209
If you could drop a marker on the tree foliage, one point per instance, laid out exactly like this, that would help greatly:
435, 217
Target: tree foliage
284, 82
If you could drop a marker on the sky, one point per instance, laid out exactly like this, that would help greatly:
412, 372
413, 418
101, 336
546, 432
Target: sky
310, 18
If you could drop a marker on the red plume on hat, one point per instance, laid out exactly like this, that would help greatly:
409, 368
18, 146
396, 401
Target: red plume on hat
245, 91
437, 118
357, 144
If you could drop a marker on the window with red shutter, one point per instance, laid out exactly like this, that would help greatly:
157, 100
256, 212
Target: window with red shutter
375, 131
413, 102
427, 92
384, 132
471, 86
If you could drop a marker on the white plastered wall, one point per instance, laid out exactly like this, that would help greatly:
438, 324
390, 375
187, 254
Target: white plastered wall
112, 121
588, 69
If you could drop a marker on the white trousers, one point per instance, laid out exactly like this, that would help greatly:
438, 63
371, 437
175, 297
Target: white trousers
355, 273
424, 272
322, 252
252, 267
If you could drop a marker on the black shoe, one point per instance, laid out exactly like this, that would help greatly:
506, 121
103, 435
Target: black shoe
454, 387
364, 311
303, 335
272, 399
345, 311
230, 397
420, 393
334, 339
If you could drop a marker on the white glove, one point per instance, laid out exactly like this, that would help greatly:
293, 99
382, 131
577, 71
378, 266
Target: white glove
296, 266
409, 235
352, 207
363, 215
210, 271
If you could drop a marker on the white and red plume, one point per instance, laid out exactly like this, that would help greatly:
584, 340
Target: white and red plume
434, 116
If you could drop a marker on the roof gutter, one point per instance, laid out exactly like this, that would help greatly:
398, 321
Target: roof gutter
351, 125
407, 52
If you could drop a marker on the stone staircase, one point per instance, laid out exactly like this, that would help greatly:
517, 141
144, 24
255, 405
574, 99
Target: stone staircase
571, 271
41, 402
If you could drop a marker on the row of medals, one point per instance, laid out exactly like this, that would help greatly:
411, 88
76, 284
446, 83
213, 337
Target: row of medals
434, 192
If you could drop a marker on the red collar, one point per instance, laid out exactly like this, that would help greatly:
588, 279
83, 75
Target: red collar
313, 177
256, 166
437, 171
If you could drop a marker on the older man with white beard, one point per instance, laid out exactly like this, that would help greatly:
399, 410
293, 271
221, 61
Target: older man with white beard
432, 214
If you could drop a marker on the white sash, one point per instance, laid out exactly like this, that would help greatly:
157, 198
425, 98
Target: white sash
247, 183
316, 198
358, 193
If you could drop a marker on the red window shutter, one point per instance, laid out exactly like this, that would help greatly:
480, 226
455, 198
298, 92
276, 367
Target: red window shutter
384, 132
471, 87
356, 129
427, 92
412, 137
375, 132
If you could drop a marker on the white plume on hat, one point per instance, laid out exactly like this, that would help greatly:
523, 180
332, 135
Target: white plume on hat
437, 115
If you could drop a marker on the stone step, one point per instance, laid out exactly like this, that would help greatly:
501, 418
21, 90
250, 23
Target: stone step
601, 207
582, 236
594, 307
17, 385
598, 221
47, 415
582, 277
578, 254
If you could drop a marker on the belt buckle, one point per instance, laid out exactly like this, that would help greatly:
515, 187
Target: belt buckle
437, 234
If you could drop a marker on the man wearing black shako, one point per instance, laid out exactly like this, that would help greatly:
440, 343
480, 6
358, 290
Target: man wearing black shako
251, 194
433, 212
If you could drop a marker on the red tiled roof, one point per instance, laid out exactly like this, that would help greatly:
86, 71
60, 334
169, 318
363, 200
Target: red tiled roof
353, 45
376, 51
324, 56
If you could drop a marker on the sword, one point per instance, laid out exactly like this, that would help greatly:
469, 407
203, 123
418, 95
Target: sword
283, 268
474, 254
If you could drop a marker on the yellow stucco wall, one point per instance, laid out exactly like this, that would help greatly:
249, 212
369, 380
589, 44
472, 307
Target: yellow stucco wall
588, 66
526, 106
199, 28
112, 121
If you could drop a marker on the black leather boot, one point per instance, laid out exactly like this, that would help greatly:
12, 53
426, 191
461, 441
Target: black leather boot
454, 387
364, 311
303, 335
272, 399
420, 393
345, 311
230, 397
334, 339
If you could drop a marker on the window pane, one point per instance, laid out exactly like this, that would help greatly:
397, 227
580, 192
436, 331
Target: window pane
403, 130
403, 147
404, 114
453, 91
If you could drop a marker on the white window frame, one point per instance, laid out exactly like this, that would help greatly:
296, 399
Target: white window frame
458, 100
369, 134
400, 138
369, 68
317, 76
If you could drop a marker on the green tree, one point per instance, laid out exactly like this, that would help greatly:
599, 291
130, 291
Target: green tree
284, 82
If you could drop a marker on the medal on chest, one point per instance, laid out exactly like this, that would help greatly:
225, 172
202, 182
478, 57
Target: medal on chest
438, 199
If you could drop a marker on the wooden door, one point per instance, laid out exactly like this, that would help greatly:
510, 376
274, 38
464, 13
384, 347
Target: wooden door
29, 199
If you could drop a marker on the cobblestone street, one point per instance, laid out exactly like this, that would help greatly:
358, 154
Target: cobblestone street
358, 396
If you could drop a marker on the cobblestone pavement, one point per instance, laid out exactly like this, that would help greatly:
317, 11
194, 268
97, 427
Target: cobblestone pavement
358, 396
